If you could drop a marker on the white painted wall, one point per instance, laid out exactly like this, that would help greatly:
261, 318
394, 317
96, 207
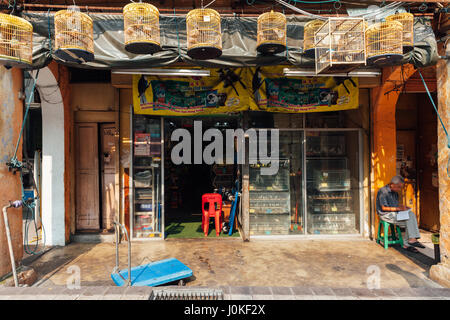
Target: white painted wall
52, 197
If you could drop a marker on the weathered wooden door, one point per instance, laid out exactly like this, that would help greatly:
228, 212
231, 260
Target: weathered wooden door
87, 177
107, 155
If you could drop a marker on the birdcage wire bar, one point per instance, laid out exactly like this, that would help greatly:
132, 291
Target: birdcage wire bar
74, 35
407, 21
16, 41
204, 37
271, 35
384, 42
308, 36
141, 28
339, 45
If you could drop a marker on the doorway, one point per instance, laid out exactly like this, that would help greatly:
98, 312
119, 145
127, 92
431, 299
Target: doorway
95, 177
184, 184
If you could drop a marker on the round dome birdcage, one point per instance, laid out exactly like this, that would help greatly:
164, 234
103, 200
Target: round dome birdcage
308, 36
204, 37
74, 35
384, 42
16, 41
407, 21
271, 36
141, 28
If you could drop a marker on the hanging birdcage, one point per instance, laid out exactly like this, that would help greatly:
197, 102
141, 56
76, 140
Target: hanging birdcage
384, 43
74, 35
407, 21
141, 28
16, 41
339, 45
271, 33
308, 36
204, 37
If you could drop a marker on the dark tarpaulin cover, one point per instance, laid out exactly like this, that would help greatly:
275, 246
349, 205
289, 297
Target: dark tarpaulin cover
238, 44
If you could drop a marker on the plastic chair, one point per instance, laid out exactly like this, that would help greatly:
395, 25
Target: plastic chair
386, 240
212, 199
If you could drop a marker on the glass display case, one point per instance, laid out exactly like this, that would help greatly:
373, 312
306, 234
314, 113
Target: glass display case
331, 197
146, 220
269, 200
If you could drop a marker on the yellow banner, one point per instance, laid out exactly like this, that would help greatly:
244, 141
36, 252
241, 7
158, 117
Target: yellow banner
274, 92
226, 90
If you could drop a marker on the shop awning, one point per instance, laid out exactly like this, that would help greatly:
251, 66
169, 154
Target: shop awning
239, 44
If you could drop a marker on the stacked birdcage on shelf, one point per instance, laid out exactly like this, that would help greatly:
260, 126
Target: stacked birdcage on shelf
141, 28
16, 41
74, 35
384, 42
271, 36
204, 35
339, 45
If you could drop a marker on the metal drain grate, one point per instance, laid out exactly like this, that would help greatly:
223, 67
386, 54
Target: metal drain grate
186, 294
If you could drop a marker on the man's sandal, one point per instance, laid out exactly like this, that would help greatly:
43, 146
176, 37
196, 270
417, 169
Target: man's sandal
416, 244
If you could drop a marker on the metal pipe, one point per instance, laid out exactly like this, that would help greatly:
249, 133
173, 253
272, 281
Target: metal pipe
119, 226
15, 204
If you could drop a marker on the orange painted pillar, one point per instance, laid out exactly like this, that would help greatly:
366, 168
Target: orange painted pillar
384, 145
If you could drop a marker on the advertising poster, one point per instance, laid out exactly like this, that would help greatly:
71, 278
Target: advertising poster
274, 92
224, 91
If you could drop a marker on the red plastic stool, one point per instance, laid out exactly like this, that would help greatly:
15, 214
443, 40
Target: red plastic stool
212, 199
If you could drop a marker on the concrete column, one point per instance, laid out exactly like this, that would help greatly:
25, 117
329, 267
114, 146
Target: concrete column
441, 271
11, 112
53, 159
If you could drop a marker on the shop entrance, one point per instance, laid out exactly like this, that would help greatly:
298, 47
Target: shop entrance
184, 184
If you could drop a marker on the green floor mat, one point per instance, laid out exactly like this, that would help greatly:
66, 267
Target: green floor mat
192, 228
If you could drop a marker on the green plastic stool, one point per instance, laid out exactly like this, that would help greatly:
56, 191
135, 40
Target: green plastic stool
394, 238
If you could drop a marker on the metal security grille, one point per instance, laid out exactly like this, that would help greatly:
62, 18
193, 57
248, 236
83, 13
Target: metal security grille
186, 294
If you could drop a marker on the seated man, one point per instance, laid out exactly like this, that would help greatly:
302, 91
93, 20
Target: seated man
388, 207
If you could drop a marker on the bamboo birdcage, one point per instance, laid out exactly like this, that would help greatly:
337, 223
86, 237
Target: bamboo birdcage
308, 36
407, 21
384, 42
74, 35
271, 37
16, 41
141, 28
339, 45
204, 37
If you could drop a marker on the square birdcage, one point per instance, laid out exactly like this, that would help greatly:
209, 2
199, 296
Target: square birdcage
16, 41
339, 45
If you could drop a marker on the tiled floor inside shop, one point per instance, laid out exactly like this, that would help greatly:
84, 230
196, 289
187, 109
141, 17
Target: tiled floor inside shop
232, 262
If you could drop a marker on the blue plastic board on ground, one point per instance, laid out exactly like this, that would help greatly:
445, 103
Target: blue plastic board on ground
154, 274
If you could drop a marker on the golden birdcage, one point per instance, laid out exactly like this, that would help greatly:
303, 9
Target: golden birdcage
407, 21
339, 45
384, 42
271, 33
74, 35
141, 28
16, 41
308, 36
204, 37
